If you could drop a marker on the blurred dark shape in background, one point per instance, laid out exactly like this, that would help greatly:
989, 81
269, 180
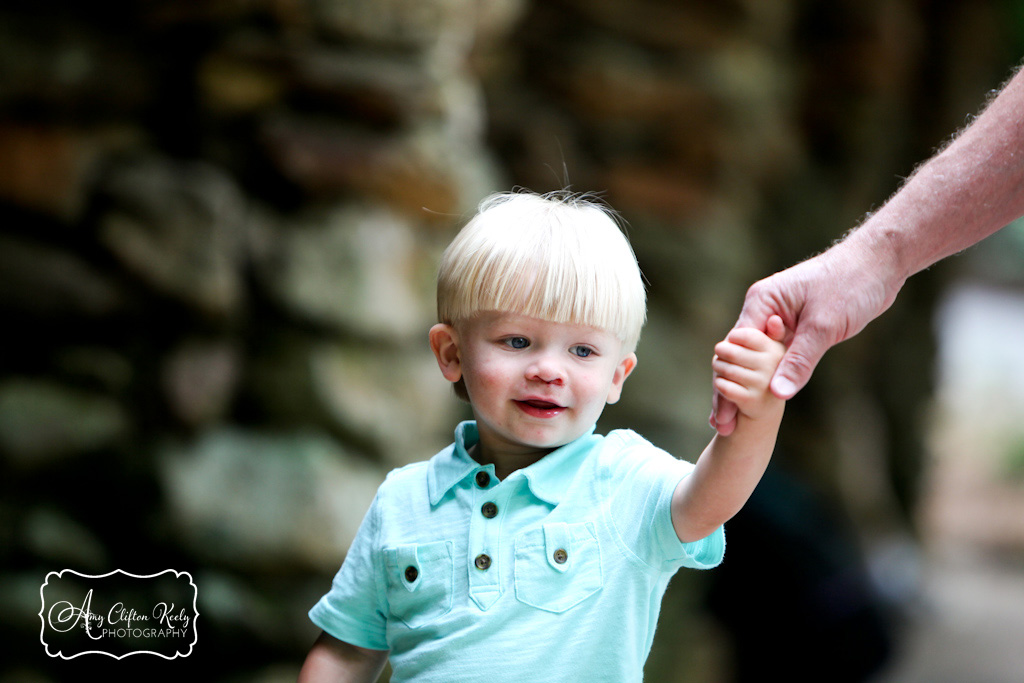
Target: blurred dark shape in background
796, 594
219, 224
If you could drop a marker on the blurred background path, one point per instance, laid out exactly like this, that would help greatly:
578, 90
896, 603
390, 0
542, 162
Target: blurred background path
969, 622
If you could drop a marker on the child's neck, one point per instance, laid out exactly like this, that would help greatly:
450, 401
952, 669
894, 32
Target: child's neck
507, 463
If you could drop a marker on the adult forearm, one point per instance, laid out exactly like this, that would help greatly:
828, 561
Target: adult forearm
968, 191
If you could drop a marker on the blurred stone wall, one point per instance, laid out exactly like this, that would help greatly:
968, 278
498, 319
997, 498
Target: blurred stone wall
220, 227
219, 224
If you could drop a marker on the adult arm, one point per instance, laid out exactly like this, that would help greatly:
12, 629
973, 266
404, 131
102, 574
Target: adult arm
335, 661
966, 192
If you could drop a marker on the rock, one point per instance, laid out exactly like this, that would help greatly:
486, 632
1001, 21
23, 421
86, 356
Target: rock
47, 282
99, 366
268, 611
641, 189
352, 268
55, 536
200, 379
64, 69
381, 89
373, 391
41, 420
417, 23
250, 500
181, 228
413, 23
388, 401
238, 84
278, 387
664, 25
646, 93
45, 168
331, 161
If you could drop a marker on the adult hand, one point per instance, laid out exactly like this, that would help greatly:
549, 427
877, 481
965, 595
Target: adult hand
822, 302
964, 193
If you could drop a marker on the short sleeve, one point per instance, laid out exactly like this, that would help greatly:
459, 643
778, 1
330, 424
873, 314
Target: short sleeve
353, 611
644, 479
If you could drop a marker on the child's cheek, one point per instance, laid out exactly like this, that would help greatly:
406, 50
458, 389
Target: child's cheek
491, 380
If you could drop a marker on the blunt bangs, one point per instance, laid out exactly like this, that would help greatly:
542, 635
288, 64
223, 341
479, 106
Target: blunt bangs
560, 257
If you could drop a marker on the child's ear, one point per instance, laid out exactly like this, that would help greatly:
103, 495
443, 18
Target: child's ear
622, 371
445, 345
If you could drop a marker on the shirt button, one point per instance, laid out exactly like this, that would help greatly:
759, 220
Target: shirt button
561, 556
411, 573
482, 562
489, 510
482, 479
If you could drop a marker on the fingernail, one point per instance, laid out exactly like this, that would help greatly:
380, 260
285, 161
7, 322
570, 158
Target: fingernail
783, 387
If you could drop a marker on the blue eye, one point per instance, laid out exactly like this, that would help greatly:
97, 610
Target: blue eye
518, 342
581, 351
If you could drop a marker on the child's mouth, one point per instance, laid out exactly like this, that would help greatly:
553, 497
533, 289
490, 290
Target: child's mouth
539, 408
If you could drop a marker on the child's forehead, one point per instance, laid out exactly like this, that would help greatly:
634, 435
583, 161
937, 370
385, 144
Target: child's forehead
485, 321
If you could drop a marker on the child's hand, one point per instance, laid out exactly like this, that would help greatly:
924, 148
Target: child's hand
744, 364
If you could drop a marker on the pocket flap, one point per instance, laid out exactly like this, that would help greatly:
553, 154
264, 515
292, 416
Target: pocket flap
426, 574
558, 546
569, 571
408, 562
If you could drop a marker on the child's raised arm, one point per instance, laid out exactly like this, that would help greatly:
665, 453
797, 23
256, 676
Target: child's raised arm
335, 661
731, 466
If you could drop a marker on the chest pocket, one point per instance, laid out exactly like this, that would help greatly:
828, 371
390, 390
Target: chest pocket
557, 566
419, 581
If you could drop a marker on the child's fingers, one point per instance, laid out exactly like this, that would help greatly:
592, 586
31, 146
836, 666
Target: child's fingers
739, 374
739, 355
775, 329
736, 393
749, 338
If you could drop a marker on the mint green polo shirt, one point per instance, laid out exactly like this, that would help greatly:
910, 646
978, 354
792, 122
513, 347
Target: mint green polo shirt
554, 574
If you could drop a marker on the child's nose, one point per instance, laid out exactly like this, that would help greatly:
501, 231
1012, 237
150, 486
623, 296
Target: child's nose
546, 368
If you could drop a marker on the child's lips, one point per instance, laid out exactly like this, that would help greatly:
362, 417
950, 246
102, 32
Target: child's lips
539, 407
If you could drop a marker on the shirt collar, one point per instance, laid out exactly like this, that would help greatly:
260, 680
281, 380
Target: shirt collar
548, 478
451, 465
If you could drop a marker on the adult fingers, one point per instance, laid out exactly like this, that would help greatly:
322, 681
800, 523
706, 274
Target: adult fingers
779, 295
796, 366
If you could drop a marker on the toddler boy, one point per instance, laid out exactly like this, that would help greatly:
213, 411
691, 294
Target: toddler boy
532, 549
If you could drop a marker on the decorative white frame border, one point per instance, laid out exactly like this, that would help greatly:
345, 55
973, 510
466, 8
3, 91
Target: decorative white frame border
177, 574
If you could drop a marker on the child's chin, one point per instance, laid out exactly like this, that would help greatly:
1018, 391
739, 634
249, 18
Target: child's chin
554, 442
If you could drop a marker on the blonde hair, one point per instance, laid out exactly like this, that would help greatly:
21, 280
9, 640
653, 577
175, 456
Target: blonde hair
560, 257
